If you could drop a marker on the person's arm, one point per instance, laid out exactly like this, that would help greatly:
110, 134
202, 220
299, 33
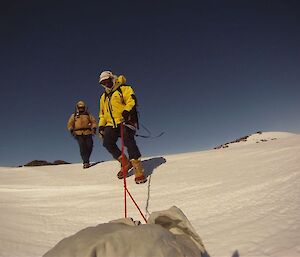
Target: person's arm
129, 98
71, 123
102, 120
93, 124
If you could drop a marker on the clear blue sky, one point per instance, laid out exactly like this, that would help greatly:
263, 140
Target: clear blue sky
204, 72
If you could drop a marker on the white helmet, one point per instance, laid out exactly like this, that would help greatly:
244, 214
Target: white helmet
105, 75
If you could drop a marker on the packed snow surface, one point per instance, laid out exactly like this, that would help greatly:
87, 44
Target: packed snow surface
242, 201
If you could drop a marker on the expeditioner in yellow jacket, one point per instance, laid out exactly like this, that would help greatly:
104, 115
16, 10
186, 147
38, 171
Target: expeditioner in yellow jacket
82, 125
117, 106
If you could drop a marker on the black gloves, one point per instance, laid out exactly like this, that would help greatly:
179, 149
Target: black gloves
101, 129
101, 132
125, 115
72, 133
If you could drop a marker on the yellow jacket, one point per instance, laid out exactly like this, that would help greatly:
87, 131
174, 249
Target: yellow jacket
113, 103
83, 124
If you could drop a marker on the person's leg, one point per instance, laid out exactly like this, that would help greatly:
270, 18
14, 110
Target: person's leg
88, 147
134, 155
130, 143
110, 139
85, 151
81, 144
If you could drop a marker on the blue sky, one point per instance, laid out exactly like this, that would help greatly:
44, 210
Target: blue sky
204, 72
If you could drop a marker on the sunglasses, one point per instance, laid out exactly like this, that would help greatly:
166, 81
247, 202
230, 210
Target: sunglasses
106, 82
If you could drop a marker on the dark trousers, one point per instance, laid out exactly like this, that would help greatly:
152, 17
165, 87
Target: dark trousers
110, 139
86, 147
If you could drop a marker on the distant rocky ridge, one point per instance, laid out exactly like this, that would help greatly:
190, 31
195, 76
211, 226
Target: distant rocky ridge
44, 163
243, 139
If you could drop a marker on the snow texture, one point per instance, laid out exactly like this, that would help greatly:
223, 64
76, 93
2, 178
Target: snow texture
242, 200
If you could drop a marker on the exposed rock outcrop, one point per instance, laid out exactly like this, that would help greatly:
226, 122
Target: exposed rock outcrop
44, 163
241, 139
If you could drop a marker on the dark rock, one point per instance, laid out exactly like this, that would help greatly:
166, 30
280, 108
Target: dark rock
45, 163
37, 163
241, 139
59, 162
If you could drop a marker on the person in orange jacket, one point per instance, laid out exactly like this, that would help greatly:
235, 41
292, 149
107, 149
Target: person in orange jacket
117, 106
82, 125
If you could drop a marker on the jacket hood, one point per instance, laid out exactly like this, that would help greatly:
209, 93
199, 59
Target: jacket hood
80, 104
117, 81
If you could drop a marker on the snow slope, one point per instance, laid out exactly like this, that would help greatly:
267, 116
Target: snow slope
257, 138
242, 201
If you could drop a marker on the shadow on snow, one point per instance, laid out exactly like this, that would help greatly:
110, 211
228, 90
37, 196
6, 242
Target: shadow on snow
235, 254
150, 165
95, 163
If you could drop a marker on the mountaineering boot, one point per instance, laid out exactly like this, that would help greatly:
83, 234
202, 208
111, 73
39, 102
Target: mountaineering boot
138, 171
86, 165
128, 166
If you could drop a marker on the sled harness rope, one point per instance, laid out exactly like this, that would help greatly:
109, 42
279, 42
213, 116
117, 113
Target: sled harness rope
124, 179
147, 130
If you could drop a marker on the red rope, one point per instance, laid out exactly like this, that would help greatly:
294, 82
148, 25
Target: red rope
124, 170
136, 205
124, 179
